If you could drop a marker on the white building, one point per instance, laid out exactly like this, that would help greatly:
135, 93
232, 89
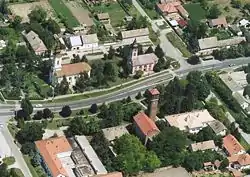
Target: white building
83, 42
191, 122
202, 146
218, 127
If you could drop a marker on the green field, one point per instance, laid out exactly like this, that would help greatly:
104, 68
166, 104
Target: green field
196, 12
64, 13
115, 11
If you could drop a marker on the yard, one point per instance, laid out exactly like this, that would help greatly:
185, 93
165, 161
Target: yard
64, 13
152, 13
220, 33
35, 171
115, 11
23, 9
178, 43
196, 12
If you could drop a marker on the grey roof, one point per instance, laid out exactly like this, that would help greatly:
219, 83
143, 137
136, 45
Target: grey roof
91, 155
235, 28
201, 146
231, 83
103, 16
232, 41
239, 98
90, 38
207, 43
135, 33
75, 41
145, 59
35, 42
115, 132
217, 126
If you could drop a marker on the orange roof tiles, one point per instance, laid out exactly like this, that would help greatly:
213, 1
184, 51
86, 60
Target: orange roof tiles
218, 21
167, 8
73, 69
182, 10
113, 174
49, 149
145, 124
232, 145
242, 159
154, 91
237, 173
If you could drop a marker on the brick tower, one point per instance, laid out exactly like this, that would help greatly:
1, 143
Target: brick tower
153, 103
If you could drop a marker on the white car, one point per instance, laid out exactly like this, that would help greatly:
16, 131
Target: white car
38, 105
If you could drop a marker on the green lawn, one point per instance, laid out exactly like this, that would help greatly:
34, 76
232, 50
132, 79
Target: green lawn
196, 12
18, 172
244, 143
178, 43
62, 11
220, 33
56, 123
114, 9
150, 12
31, 168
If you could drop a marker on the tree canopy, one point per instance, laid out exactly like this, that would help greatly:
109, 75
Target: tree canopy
133, 157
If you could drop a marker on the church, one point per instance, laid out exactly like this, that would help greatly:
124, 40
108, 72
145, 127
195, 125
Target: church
145, 62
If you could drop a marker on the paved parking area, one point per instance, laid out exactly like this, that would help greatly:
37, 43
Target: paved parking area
168, 172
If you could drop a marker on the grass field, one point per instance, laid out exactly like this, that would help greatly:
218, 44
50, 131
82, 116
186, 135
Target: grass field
178, 43
62, 11
115, 11
196, 12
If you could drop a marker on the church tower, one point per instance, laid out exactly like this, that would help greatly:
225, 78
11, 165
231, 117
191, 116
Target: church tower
153, 103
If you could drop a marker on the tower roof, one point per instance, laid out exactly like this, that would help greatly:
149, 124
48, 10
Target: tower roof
134, 44
154, 91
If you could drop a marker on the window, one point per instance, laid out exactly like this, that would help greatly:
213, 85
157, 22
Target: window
77, 48
57, 62
70, 78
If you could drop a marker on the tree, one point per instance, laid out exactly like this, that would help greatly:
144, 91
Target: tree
4, 170
193, 161
31, 132
16, 22
110, 71
53, 26
83, 126
94, 108
149, 50
38, 115
28, 148
248, 78
20, 122
35, 160
111, 53
224, 164
82, 82
4, 7
159, 52
26, 106
133, 157
246, 91
193, 60
47, 113
63, 87
138, 96
66, 111
214, 12
113, 115
38, 14
169, 145
128, 100
138, 74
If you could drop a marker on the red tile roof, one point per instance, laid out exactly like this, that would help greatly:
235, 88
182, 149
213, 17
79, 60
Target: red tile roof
182, 23
113, 174
49, 149
73, 69
154, 91
167, 8
145, 124
242, 159
232, 145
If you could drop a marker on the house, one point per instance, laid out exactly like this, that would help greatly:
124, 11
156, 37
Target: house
182, 23
84, 42
235, 30
91, 155
141, 36
218, 127
232, 145
52, 152
71, 71
191, 122
35, 43
220, 22
145, 127
239, 161
113, 174
202, 146
208, 45
103, 17
237, 173
241, 100
209, 166
172, 7
235, 81
244, 23
145, 62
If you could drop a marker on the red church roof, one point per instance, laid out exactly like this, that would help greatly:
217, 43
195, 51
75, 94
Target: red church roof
154, 91
145, 124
